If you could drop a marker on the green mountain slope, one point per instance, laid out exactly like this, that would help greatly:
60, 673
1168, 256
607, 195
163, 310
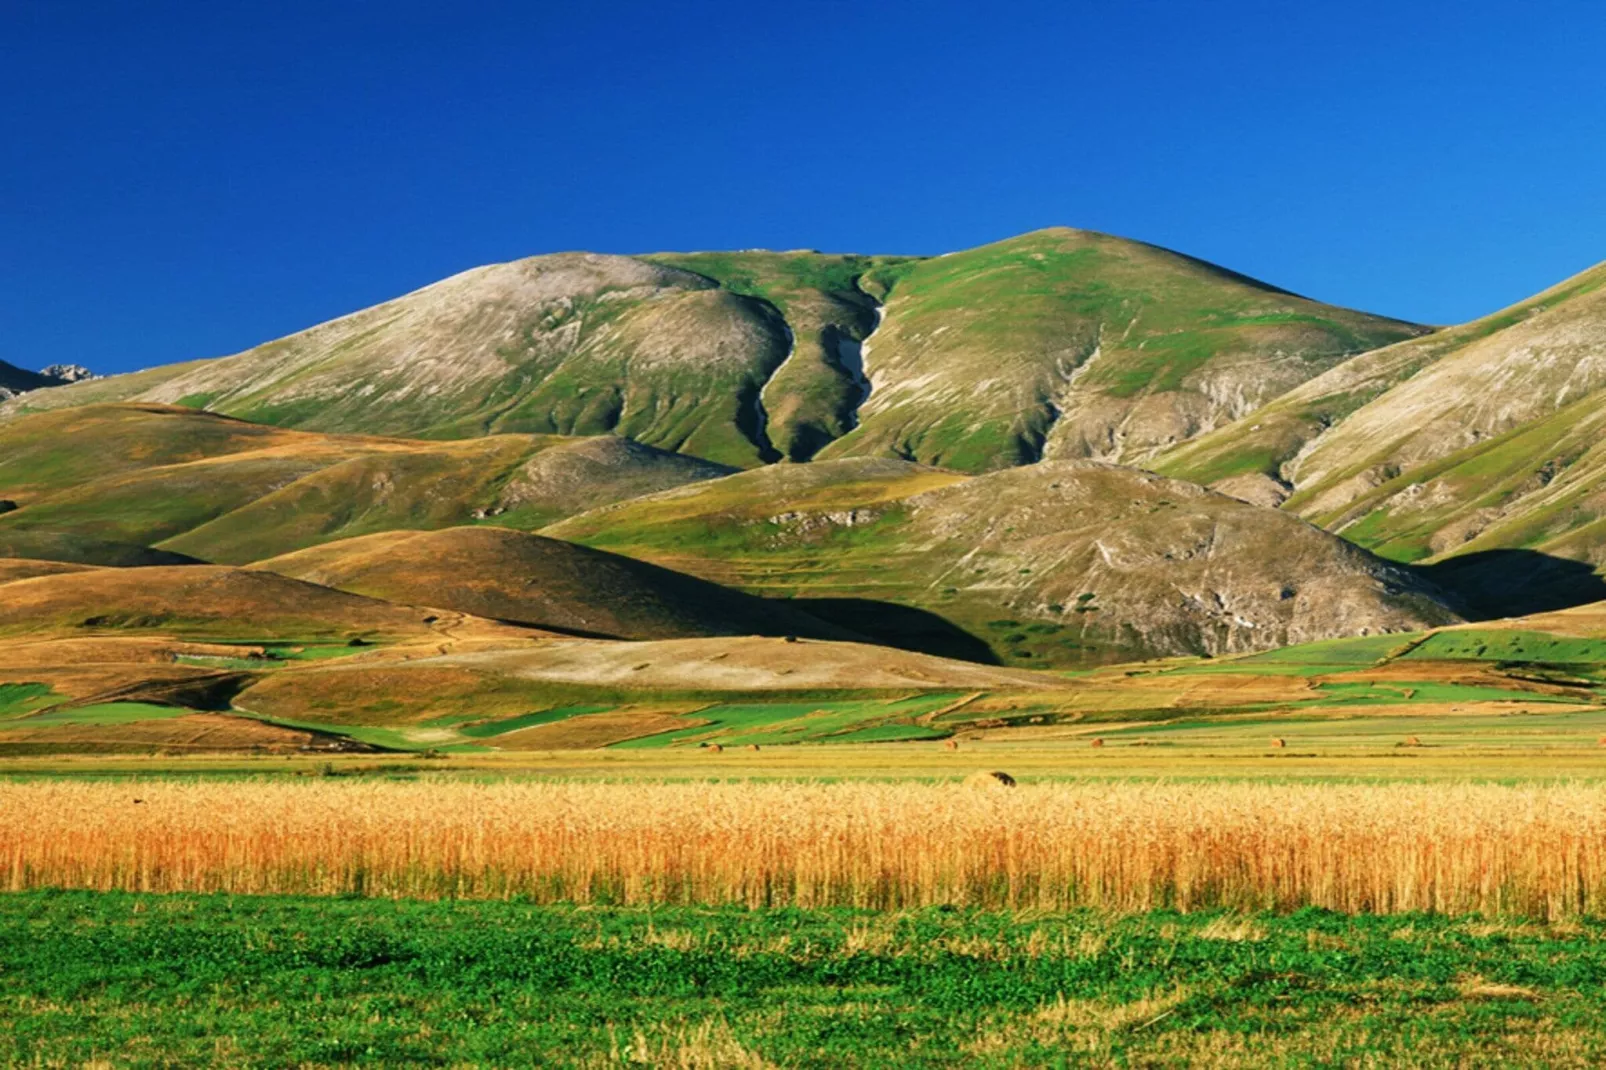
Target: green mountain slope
1060, 343
813, 397
569, 344
1059, 563
1066, 343
1481, 438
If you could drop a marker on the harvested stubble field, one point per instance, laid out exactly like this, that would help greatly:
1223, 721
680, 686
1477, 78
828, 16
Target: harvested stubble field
1536, 850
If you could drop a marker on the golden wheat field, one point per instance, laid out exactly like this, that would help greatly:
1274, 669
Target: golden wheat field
1530, 850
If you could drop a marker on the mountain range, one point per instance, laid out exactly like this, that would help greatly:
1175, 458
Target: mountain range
15, 380
1059, 450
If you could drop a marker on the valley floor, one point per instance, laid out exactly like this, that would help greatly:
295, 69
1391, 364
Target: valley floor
141, 980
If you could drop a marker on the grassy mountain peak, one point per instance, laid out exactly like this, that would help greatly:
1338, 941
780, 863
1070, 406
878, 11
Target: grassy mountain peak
1056, 343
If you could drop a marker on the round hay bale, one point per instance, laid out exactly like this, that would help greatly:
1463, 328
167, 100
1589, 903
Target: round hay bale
1098, 741
716, 748
993, 779
953, 744
1412, 741
1278, 741
752, 746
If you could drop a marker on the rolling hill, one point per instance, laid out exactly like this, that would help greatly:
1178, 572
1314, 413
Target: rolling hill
528, 579
145, 484
1060, 343
1058, 563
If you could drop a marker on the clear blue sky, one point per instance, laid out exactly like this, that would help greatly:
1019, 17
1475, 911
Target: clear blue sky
187, 179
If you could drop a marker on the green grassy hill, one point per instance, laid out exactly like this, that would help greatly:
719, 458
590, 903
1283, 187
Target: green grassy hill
1059, 563
571, 344
827, 301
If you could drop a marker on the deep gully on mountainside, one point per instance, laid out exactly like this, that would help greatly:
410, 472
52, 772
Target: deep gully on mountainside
849, 354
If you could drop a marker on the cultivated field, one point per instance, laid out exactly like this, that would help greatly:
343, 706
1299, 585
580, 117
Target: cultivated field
1536, 851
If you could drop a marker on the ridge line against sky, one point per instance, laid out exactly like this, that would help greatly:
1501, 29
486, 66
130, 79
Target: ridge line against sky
188, 181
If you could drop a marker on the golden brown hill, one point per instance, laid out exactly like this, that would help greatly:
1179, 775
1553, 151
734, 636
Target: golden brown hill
198, 600
649, 677
744, 664
13, 568
510, 575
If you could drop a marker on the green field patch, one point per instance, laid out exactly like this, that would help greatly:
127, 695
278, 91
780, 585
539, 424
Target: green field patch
386, 738
191, 980
888, 733
1360, 651
800, 722
19, 699
275, 653
1510, 646
1426, 691
488, 729
108, 713
312, 650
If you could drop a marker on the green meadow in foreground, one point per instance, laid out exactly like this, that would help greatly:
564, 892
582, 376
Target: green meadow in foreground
136, 980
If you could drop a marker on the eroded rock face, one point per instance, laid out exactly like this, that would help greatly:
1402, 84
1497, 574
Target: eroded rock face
1117, 555
1256, 488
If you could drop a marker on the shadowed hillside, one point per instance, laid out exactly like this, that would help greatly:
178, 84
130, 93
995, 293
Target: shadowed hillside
508, 575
